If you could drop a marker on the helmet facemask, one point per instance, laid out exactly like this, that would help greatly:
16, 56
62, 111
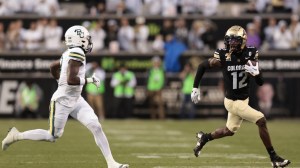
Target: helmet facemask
233, 43
89, 46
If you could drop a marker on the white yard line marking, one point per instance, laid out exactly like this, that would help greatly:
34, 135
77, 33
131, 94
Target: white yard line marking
210, 155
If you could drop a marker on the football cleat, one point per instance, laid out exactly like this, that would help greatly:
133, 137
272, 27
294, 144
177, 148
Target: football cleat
201, 141
119, 166
10, 138
277, 161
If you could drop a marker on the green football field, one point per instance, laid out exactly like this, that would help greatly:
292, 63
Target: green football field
151, 144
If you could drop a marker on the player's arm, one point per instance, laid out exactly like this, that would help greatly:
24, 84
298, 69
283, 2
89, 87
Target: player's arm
72, 72
55, 69
213, 62
207, 64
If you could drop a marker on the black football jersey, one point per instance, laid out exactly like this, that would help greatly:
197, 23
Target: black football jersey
236, 80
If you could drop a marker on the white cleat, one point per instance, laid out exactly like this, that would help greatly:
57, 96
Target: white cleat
10, 138
119, 166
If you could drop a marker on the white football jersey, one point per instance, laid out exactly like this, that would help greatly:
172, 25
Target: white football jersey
65, 94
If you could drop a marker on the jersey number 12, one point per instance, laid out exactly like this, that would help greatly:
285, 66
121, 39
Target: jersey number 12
241, 84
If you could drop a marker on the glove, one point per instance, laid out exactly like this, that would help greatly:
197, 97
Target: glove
195, 95
253, 70
94, 79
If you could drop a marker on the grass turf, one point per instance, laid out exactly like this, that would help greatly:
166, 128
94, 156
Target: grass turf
151, 144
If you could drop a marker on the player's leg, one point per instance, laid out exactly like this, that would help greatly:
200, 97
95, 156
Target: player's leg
85, 114
232, 125
254, 116
57, 121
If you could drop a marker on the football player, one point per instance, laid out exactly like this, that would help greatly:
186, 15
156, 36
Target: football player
69, 72
238, 63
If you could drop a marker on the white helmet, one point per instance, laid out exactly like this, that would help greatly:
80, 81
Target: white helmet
79, 36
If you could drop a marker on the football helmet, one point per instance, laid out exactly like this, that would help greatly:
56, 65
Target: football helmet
235, 38
79, 36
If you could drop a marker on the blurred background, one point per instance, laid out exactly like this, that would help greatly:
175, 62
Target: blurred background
156, 45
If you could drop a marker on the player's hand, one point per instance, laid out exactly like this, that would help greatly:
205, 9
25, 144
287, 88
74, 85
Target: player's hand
253, 70
95, 80
195, 95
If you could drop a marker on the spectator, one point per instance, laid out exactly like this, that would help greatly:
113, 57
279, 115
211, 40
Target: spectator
278, 6
94, 94
33, 37
181, 31
112, 36
141, 35
251, 8
98, 8
28, 6
158, 43
194, 37
253, 38
53, 34
98, 36
173, 50
208, 8
134, 6
282, 37
2, 37
257, 26
169, 7
152, 7
115, 7
167, 28
295, 30
209, 36
187, 109
189, 6
28, 98
291, 6
261, 5
15, 35
12, 37
126, 36
123, 82
47, 7
269, 33
155, 84
4, 9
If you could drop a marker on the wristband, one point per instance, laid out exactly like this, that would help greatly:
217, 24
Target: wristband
82, 81
89, 80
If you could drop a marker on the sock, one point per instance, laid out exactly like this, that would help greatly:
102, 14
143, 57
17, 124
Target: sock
271, 152
36, 135
209, 137
101, 141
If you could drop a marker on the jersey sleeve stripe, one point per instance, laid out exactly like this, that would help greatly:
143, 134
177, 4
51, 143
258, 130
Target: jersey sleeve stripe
77, 56
76, 53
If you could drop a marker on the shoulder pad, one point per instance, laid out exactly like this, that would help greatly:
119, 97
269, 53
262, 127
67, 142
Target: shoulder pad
77, 53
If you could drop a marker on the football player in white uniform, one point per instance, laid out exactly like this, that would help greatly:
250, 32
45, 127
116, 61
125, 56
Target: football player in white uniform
67, 100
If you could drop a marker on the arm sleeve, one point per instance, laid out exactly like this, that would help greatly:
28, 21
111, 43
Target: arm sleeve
200, 71
259, 79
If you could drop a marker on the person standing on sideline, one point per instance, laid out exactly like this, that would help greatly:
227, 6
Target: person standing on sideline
123, 82
67, 99
94, 94
155, 84
187, 109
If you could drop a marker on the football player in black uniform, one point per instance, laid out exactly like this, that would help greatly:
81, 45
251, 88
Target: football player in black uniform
238, 63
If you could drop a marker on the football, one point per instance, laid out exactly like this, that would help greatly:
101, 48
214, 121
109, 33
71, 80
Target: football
252, 61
